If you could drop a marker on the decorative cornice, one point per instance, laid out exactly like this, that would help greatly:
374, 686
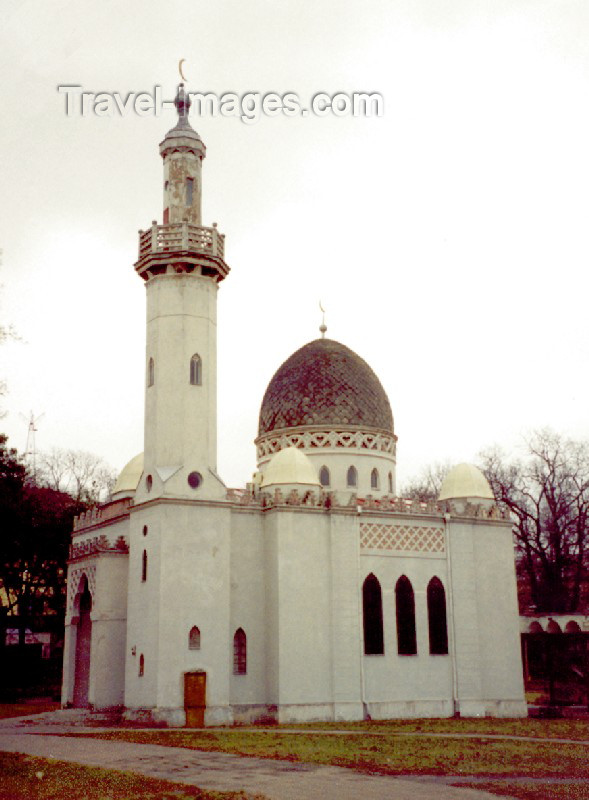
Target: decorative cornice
98, 515
98, 545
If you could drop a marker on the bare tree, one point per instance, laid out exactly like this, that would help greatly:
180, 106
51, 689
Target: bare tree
85, 476
427, 483
548, 495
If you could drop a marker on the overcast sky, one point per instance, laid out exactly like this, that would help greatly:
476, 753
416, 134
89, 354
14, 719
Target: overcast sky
447, 239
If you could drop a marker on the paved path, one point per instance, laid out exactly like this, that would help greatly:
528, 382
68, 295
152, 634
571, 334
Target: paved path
277, 780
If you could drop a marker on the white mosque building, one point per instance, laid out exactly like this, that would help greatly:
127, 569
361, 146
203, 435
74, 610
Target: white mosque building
313, 594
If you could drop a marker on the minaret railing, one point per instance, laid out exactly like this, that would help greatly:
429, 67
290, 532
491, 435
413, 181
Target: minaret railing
181, 237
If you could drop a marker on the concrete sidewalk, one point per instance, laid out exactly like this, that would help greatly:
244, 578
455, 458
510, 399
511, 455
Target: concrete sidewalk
277, 780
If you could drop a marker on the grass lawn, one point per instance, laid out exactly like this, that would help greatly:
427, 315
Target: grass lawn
406, 748
527, 791
539, 728
29, 778
24, 709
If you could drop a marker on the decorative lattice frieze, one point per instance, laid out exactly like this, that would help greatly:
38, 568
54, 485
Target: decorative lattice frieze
334, 439
73, 583
402, 538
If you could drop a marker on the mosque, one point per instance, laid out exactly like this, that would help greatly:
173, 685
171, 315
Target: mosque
315, 593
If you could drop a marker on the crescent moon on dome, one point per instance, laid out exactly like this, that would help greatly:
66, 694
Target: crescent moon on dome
182, 60
321, 307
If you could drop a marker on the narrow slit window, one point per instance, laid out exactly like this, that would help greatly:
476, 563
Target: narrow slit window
144, 566
141, 665
239, 652
196, 370
391, 483
352, 477
372, 616
150, 372
405, 602
324, 478
189, 190
194, 638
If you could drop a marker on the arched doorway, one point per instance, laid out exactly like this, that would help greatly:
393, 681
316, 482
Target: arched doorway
83, 644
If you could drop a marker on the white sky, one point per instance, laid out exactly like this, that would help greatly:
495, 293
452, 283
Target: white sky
447, 239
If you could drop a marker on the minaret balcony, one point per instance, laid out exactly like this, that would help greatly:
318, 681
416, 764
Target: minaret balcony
181, 247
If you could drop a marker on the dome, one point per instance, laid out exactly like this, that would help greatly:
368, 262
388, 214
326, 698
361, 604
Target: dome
325, 384
290, 466
129, 476
465, 480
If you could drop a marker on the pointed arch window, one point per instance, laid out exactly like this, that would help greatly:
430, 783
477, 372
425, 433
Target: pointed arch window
405, 607
324, 477
372, 615
239, 652
196, 370
144, 566
374, 479
150, 372
391, 491
189, 190
194, 638
352, 478
436, 618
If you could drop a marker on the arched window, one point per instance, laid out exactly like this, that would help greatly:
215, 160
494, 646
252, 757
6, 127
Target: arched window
372, 612
144, 566
239, 652
535, 627
405, 602
374, 481
436, 617
352, 476
391, 489
195, 370
572, 627
194, 639
141, 665
151, 373
324, 479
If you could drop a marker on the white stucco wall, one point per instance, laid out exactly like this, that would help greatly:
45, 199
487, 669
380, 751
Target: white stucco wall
248, 605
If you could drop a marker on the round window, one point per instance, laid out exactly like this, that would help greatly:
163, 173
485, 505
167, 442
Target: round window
194, 480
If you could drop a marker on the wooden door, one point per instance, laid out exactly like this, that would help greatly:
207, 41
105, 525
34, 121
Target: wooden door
195, 698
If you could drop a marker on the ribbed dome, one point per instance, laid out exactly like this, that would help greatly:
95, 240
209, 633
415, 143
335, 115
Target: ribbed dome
290, 466
129, 476
325, 384
465, 480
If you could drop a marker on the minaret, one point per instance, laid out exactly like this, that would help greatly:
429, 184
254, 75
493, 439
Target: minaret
182, 264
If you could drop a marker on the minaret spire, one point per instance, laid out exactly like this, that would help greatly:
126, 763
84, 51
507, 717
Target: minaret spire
182, 102
323, 326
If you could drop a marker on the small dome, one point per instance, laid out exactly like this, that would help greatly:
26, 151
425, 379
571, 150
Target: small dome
325, 384
129, 477
290, 466
465, 480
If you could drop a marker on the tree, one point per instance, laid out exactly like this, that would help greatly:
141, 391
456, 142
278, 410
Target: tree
34, 543
427, 484
86, 477
548, 495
